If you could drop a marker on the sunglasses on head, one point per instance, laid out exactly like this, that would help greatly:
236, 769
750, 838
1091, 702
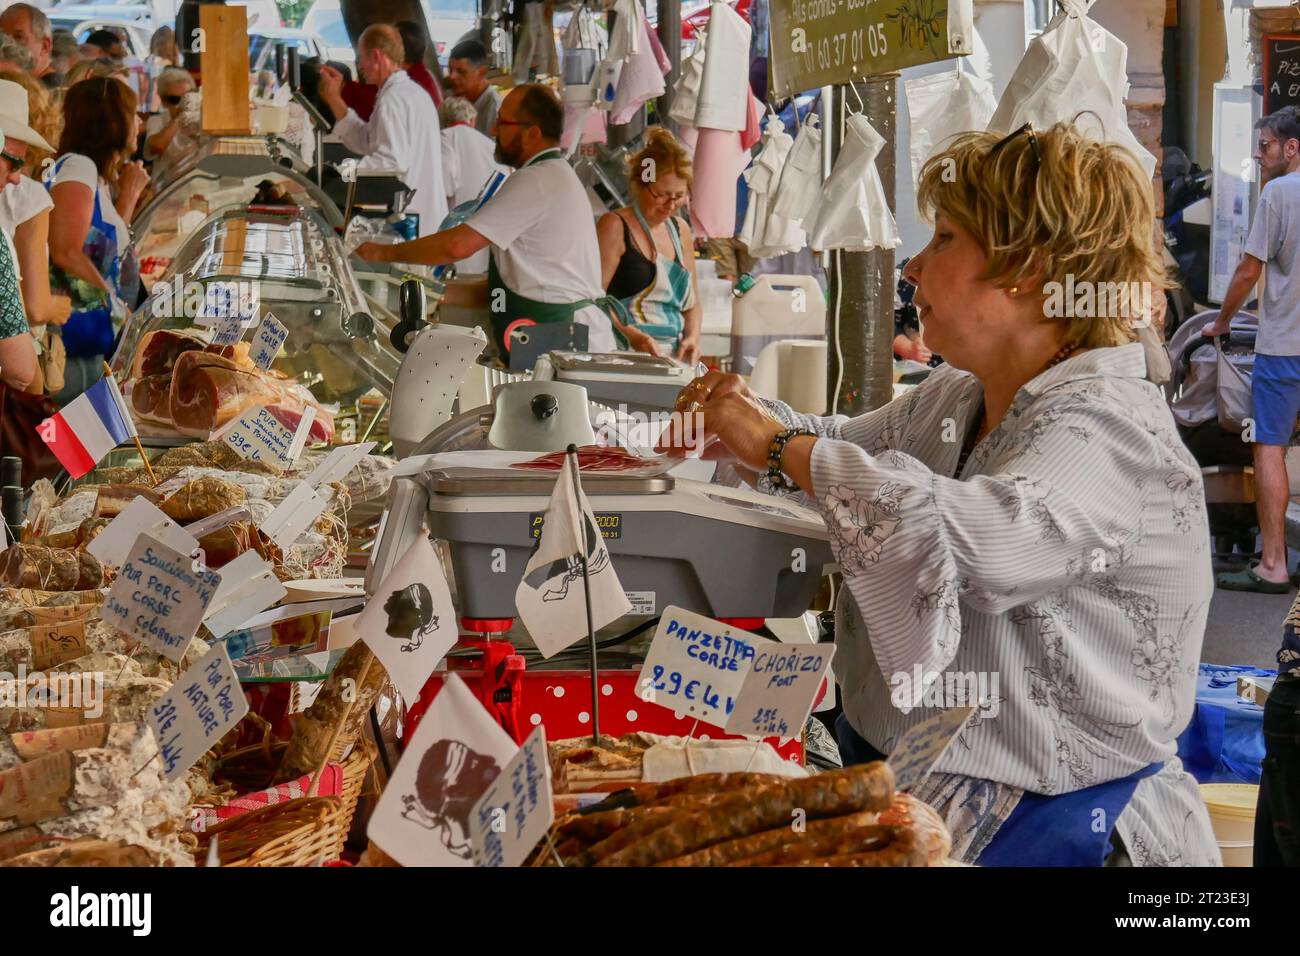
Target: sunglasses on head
1026, 130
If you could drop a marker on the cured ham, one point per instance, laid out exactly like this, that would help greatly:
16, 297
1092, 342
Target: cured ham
602, 458
208, 390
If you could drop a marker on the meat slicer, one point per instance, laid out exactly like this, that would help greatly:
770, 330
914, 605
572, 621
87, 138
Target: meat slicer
672, 541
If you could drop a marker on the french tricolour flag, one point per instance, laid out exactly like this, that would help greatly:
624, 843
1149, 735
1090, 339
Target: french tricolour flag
89, 428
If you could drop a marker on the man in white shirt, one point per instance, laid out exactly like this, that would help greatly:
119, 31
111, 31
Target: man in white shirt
545, 259
402, 134
468, 162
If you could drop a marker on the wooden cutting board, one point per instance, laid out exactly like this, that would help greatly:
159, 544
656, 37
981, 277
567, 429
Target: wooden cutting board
225, 70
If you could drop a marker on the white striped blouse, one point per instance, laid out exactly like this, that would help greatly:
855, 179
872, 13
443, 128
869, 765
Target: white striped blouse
1063, 582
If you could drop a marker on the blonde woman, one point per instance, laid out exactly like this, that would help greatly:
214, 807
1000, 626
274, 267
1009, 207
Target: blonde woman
647, 256
1024, 532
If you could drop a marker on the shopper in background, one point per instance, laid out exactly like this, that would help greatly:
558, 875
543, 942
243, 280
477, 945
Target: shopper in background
165, 141
545, 261
100, 66
360, 97
402, 133
13, 55
90, 243
467, 71
162, 55
1273, 245
108, 44
647, 254
64, 55
1020, 552
19, 367
468, 162
29, 119
31, 28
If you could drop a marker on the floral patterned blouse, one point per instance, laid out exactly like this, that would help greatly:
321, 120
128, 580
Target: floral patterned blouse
1062, 583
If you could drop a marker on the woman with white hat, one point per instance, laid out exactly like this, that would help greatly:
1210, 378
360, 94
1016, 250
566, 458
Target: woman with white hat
28, 118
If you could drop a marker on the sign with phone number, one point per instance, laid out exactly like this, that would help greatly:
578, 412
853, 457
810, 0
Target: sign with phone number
818, 43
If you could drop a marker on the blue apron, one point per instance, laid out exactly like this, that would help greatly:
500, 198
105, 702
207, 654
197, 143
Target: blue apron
89, 330
1067, 829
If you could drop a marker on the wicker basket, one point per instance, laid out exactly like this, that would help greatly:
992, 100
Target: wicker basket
305, 831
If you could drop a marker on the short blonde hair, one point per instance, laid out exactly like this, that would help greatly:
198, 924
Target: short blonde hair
1055, 207
385, 39
662, 155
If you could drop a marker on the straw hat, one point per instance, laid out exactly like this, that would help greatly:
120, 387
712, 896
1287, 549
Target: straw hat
13, 116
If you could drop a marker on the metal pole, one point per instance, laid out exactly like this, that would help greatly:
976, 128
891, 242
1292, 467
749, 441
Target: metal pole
860, 321
669, 29
586, 593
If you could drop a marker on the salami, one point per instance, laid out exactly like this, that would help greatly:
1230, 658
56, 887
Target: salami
906, 850
865, 787
722, 854
830, 842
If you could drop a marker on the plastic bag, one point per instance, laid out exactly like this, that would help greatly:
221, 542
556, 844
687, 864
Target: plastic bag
942, 105
852, 212
801, 178
1075, 72
765, 233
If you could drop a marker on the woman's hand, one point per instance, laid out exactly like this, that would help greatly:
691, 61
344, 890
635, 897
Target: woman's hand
60, 310
372, 252
688, 352
640, 341
717, 406
131, 181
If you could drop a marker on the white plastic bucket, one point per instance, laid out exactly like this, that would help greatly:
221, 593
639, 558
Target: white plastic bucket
1232, 814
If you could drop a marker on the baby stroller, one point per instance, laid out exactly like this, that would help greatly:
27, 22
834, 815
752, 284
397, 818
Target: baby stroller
1196, 399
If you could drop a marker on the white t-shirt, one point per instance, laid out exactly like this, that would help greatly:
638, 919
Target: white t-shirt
468, 162
21, 202
543, 237
180, 146
75, 168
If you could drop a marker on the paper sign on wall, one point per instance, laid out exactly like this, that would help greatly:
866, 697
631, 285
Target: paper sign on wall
779, 691
141, 516
696, 665
160, 597
516, 810
198, 710
257, 435
920, 748
266, 343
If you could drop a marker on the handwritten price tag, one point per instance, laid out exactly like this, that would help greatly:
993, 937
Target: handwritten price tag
918, 750
516, 810
696, 665
198, 710
259, 436
53, 644
270, 336
780, 689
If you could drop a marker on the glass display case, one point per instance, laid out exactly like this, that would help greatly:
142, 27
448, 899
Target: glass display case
281, 258
225, 172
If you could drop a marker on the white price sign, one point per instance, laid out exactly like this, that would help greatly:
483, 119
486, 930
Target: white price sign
515, 811
160, 597
268, 340
696, 665
779, 691
257, 435
199, 709
920, 748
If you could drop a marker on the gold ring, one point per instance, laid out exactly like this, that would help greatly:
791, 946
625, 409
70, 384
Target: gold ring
694, 407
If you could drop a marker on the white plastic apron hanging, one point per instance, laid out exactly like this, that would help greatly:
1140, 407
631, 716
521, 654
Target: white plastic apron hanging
765, 233
942, 105
852, 212
1075, 72
801, 179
